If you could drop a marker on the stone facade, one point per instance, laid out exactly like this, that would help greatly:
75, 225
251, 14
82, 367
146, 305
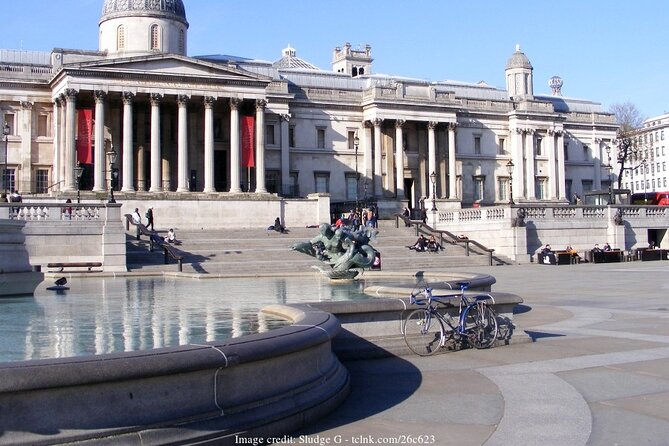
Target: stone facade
181, 124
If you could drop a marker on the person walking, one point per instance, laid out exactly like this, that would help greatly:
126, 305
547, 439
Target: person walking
149, 219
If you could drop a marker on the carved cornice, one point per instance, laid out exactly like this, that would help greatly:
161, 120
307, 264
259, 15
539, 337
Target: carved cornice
70, 94
400, 123
261, 104
26, 105
285, 117
376, 122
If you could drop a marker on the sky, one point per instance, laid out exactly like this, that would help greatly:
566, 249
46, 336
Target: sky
607, 52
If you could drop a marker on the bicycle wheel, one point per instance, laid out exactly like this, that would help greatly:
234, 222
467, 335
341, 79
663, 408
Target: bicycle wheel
481, 326
423, 332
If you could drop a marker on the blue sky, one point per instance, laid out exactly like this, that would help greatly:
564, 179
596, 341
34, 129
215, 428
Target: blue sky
608, 52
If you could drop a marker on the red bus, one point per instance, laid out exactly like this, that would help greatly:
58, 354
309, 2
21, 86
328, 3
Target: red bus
651, 198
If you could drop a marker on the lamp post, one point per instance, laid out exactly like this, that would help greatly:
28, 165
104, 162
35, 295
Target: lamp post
509, 168
433, 179
78, 172
111, 155
610, 168
5, 132
356, 143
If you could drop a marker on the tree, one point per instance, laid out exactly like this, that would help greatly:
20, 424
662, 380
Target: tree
629, 119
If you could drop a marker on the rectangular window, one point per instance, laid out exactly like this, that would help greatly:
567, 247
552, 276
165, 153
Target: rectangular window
662, 135
586, 152
539, 146
273, 181
294, 186
664, 166
657, 151
351, 187
586, 185
291, 136
503, 189
566, 151
479, 183
320, 137
541, 187
9, 179
322, 182
42, 181
502, 146
269, 134
477, 144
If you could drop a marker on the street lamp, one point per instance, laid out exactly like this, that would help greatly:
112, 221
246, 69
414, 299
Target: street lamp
356, 143
610, 167
5, 131
433, 178
509, 168
111, 156
78, 172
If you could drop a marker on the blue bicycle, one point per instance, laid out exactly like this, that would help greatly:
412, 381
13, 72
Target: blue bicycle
426, 330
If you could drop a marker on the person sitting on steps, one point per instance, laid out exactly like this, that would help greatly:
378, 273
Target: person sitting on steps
432, 245
171, 237
420, 245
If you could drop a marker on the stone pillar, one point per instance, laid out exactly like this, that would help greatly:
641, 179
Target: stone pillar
260, 146
518, 157
99, 168
209, 144
529, 159
285, 154
597, 162
182, 144
70, 138
452, 174
552, 166
156, 176
128, 151
25, 185
378, 189
166, 150
431, 155
368, 161
399, 159
562, 188
234, 145
63, 141
57, 147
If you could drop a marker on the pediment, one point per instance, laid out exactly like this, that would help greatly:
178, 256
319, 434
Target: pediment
170, 65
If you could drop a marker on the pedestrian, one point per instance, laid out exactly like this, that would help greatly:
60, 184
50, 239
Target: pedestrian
136, 218
149, 218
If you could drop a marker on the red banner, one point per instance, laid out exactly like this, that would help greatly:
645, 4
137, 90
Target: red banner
84, 136
248, 141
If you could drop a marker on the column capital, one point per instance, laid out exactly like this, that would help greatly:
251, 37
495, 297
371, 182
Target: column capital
156, 98
128, 97
451, 126
432, 125
100, 95
399, 123
183, 99
26, 105
285, 117
235, 103
70, 94
209, 101
376, 122
261, 104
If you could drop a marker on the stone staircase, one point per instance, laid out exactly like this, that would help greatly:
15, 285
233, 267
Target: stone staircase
258, 251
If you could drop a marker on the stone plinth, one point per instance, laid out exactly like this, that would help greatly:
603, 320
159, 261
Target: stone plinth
16, 274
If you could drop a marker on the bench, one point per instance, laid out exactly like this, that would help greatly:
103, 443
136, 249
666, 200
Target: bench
646, 255
615, 255
63, 265
567, 258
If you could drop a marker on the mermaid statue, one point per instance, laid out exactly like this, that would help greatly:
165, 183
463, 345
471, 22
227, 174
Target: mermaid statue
344, 250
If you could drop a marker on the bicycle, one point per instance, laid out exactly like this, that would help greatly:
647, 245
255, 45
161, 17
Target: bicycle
426, 330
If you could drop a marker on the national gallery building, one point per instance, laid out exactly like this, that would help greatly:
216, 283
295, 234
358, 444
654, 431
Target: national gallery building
142, 115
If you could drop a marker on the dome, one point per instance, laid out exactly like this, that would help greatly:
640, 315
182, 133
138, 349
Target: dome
169, 9
518, 60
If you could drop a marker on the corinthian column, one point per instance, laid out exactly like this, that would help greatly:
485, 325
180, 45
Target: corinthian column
127, 143
399, 159
234, 145
378, 188
431, 154
182, 144
260, 146
452, 175
156, 175
209, 144
529, 158
99, 183
70, 138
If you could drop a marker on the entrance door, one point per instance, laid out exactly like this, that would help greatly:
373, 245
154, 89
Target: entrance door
221, 171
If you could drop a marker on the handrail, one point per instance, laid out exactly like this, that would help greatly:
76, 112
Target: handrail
454, 239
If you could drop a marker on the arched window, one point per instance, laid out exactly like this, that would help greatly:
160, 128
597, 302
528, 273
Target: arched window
120, 38
182, 43
155, 37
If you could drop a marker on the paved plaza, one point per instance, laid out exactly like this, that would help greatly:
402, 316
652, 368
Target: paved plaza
597, 372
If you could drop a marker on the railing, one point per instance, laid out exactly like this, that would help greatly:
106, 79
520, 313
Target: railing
446, 236
53, 211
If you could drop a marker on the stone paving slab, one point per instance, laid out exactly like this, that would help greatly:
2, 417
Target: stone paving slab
597, 373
